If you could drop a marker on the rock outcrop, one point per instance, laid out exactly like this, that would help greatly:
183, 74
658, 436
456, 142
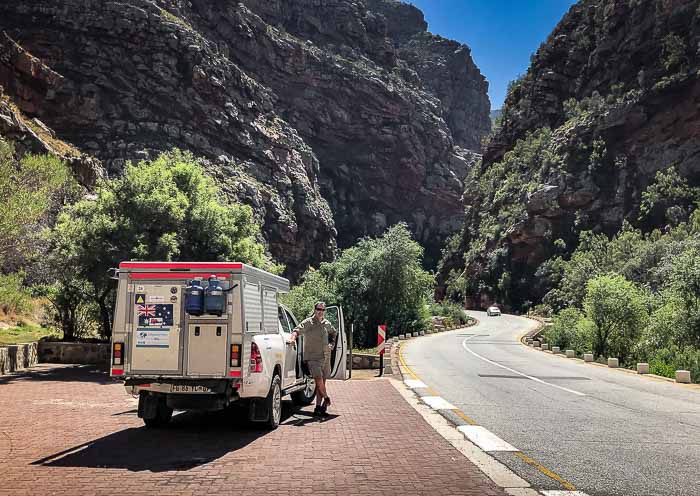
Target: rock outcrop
332, 119
617, 84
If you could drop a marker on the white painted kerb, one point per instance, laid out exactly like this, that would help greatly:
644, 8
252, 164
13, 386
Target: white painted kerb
563, 493
438, 403
484, 438
413, 383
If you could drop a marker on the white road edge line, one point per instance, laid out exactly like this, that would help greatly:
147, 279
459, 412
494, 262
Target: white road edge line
484, 438
464, 345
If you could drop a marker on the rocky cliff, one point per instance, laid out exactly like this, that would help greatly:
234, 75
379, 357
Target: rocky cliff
332, 119
611, 97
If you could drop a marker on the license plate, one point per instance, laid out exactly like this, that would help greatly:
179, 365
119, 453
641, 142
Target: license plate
176, 388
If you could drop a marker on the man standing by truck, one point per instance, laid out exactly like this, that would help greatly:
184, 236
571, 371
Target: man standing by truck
319, 340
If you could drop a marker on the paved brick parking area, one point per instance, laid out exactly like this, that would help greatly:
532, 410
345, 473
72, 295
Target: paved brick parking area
72, 430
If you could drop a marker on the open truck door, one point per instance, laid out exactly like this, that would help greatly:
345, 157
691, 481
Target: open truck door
339, 356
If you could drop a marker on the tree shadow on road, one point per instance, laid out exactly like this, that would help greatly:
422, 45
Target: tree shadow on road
61, 373
190, 440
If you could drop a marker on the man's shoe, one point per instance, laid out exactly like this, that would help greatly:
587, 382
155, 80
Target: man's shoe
324, 411
318, 411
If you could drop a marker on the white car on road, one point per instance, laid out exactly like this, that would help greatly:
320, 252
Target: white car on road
492, 311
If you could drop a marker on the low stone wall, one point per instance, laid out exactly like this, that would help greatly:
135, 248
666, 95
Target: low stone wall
364, 361
17, 357
82, 353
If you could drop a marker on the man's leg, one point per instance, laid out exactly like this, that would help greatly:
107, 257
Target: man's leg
320, 390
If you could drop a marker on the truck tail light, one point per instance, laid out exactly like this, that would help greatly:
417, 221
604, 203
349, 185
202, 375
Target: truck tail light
256, 364
235, 355
117, 354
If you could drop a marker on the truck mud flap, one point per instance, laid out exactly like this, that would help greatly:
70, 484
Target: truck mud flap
258, 411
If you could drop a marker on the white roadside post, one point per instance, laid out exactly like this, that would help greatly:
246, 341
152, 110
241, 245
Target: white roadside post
683, 376
381, 339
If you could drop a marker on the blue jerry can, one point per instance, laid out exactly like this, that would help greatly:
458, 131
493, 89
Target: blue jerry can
194, 298
214, 297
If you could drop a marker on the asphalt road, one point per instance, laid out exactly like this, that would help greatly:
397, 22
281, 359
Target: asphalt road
607, 432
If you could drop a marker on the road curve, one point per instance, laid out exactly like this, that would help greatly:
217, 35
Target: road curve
607, 432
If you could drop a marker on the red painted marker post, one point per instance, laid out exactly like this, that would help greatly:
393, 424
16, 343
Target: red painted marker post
381, 338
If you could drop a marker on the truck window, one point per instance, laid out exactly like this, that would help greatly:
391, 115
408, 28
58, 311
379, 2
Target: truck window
291, 319
284, 323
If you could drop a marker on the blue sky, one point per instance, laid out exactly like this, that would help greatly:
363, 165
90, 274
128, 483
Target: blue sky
501, 33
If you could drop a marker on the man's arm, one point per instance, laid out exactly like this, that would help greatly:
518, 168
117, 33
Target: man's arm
300, 329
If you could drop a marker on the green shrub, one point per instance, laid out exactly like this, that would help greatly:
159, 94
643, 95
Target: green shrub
618, 310
28, 188
563, 330
15, 299
450, 310
666, 361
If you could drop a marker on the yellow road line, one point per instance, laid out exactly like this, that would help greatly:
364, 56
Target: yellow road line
403, 364
464, 417
565, 483
552, 475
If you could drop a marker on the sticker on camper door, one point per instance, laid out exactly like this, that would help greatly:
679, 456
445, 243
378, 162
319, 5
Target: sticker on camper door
152, 338
140, 299
155, 315
155, 299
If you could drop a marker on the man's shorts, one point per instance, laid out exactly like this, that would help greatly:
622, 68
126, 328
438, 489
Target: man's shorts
319, 368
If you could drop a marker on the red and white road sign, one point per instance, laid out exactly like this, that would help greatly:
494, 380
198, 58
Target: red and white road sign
381, 337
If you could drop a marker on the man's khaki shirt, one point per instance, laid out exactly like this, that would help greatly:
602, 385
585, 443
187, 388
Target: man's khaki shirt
317, 336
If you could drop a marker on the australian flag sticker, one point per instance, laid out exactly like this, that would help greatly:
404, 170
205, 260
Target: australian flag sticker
155, 315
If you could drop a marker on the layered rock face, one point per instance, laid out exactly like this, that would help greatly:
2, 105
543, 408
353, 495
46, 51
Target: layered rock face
328, 121
617, 84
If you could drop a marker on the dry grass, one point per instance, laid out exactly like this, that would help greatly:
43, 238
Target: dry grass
59, 147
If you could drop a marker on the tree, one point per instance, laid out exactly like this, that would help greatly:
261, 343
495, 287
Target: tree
618, 311
27, 188
165, 209
378, 281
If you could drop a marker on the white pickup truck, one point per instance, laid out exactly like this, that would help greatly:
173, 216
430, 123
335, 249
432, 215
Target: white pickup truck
203, 335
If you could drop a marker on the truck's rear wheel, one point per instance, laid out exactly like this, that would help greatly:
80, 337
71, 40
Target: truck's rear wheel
305, 397
155, 414
274, 403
